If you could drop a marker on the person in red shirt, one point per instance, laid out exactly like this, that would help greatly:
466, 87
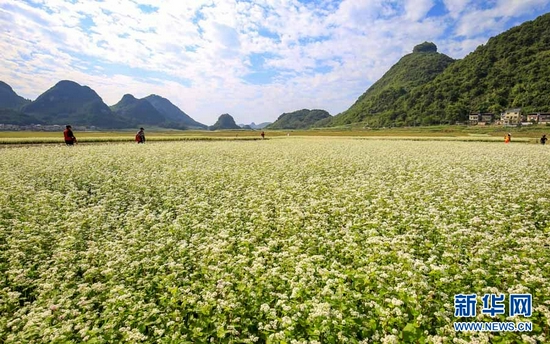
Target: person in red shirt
69, 136
140, 136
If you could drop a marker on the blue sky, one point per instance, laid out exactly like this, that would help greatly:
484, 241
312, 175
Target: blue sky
252, 59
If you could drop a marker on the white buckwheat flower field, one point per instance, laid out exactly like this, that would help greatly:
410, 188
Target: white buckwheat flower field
319, 240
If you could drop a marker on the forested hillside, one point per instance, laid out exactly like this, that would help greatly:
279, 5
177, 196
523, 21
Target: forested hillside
301, 119
415, 69
511, 70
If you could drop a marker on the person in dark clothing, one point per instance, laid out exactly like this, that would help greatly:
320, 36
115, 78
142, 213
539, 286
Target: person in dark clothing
70, 140
263, 135
140, 136
543, 140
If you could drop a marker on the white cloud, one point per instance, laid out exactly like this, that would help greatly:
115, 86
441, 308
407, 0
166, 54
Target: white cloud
455, 7
417, 9
491, 21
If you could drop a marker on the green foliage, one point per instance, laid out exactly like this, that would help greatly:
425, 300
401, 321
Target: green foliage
322, 123
225, 121
511, 70
301, 119
426, 47
9, 116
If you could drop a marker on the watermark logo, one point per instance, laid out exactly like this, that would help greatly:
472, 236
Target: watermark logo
521, 304
493, 326
493, 304
465, 305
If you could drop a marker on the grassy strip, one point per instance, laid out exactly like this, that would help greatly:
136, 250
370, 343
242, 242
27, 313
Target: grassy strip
461, 133
455, 138
92, 140
53, 140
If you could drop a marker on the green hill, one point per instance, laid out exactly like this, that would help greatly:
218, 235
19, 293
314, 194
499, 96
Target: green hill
9, 99
138, 111
413, 70
510, 70
301, 119
70, 103
174, 115
225, 121
9, 116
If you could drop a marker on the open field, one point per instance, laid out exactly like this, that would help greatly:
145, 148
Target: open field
317, 240
461, 133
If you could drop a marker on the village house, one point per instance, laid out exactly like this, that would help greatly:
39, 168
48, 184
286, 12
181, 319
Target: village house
474, 118
544, 118
487, 117
512, 117
533, 117
538, 117
482, 118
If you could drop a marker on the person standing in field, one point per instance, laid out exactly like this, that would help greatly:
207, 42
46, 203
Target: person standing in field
140, 136
70, 140
543, 140
263, 135
507, 138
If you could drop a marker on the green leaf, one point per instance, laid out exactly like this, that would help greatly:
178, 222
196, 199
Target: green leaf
409, 333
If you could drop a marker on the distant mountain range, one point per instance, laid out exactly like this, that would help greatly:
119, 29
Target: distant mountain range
254, 125
70, 103
301, 119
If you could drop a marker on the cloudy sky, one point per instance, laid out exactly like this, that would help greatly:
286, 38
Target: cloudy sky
252, 59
